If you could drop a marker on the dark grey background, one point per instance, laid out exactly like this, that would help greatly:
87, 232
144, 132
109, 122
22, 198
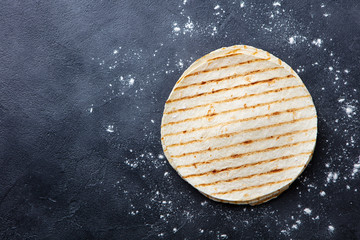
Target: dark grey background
80, 151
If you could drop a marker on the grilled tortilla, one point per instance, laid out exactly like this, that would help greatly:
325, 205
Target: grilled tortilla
239, 125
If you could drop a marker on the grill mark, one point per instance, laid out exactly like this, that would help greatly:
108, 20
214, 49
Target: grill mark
244, 154
239, 120
228, 78
207, 104
227, 66
245, 106
277, 170
244, 142
241, 131
228, 169
251, 187
234, 51
229, 55
230, 88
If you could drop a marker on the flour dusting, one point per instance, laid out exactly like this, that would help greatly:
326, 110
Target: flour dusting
163, 191
110, 128
307, 211
317, 42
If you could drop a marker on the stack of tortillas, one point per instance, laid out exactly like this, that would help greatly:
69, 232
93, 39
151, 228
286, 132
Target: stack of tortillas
239, 125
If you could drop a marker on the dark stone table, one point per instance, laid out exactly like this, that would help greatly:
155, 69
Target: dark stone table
82, 89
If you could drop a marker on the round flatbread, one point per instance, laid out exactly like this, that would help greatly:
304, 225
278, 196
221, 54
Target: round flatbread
239, 125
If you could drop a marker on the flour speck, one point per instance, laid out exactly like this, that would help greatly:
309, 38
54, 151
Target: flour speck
131, 81
276, 4
180, 64
356, 168
332, 177
350, 110
110, 128
307, 211
176, 28
317, 42
223, 236
189, 25
292, 40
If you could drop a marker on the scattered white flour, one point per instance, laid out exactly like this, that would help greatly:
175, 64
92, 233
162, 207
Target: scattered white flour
134, 212
131, 81
350, 110
214, 31
189, 25
356, 168
223, 236
110, 128
332, 176
132, 163
276, 4
91, 109
176, 28
317, 42
307, 211
297, 39
180, 64
292, 40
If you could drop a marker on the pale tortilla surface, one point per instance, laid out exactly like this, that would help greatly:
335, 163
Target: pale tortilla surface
239, 125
